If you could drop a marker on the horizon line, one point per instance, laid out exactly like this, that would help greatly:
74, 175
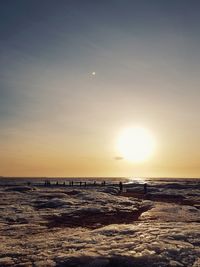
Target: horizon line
99, 177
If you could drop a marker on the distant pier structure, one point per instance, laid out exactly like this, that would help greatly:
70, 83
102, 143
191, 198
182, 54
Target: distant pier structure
83, 183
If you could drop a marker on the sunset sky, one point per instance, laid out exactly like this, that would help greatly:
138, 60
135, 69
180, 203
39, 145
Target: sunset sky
74, 74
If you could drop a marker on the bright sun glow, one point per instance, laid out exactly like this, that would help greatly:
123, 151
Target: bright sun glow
135, 144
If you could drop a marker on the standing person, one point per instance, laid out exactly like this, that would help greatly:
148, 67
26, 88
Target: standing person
120, 186
145, 188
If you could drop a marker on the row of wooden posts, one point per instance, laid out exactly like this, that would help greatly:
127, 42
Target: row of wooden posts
82, 183
72, 183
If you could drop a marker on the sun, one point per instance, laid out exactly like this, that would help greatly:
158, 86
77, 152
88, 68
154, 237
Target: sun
135, 144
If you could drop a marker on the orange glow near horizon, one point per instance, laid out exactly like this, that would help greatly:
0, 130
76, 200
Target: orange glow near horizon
94, 156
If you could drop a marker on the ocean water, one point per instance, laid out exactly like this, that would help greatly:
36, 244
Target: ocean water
189, 187
109, 180
60, 180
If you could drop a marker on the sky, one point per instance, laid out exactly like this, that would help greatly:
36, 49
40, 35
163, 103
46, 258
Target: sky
74, 74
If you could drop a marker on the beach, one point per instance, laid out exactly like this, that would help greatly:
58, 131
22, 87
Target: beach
99, 225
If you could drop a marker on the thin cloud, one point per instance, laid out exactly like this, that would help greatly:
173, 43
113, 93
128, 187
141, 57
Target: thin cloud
118, 158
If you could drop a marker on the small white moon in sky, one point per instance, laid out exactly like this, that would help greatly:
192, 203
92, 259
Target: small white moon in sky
93, 73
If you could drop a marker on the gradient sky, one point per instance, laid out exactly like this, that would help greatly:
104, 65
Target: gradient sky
57, 119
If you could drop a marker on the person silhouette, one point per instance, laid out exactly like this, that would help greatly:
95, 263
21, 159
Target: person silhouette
145, 188
120, 186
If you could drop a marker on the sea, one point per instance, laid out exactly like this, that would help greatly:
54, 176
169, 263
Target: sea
186, 182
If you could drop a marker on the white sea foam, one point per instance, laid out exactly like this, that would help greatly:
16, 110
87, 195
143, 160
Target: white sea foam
166, 234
